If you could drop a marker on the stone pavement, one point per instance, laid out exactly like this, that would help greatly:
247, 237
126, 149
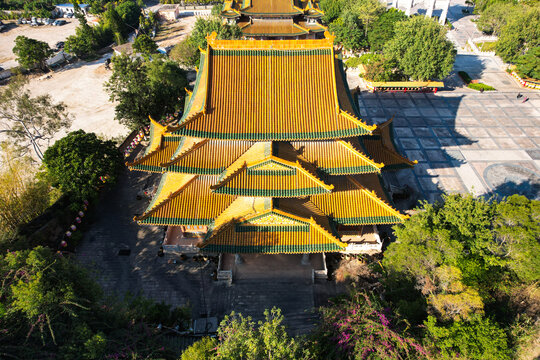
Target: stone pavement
464, 142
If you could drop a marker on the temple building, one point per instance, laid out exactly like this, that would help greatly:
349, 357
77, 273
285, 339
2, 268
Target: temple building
271, 156
275, 19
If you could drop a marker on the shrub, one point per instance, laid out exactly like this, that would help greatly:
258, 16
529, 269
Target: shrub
480, 87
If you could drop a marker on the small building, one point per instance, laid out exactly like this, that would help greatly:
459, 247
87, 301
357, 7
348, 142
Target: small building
169, 12
63, 9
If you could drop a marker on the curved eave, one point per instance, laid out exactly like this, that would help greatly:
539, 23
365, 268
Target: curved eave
336, 134
279, 193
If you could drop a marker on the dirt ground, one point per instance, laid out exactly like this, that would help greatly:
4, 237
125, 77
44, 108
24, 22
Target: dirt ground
49, 34
172, 32
80, 87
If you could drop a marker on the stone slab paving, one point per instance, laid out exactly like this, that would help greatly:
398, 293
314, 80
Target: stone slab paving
459, 139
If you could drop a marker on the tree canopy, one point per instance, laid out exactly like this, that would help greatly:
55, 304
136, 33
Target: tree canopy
31, 52
30, 122
382, 29
529, 64
421, 49
187, 52
129, 11
143, 88
145, 45
80, 162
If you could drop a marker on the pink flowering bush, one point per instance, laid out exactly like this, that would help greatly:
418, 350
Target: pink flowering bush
358, 327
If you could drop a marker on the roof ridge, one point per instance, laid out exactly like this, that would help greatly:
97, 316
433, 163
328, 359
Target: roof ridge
146, 156
360, 154
228, 177
168, 199
376, 198
320, 228
193, 147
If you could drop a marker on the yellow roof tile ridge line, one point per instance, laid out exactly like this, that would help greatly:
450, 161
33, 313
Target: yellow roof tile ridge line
246, 25
169, 198
301, 27
155, 123
296, 165
185, 152
193, 117
144, 157
397, 155
189, 92
334, 83
233, 169
360, 154
326, 233
217, 232
295, 7
356, 121
248, 5
272, 44
314, 177
374, 196
228, 178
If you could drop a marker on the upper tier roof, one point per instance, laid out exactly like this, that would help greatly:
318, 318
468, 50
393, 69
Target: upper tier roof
282, 90
271, 8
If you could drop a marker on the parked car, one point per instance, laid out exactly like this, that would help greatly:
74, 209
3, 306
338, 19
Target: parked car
59, 22
19, 21
48, 21
69, 15
59, 45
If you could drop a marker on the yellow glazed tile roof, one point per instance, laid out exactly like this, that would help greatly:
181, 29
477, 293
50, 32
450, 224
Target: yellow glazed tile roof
337, 157
272, 231
272, 177
283, 90
272, 28
192, 202
358, 200
270, 7
152, 160
382, 149
207, 157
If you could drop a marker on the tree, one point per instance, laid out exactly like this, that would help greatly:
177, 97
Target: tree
129, 12
197, 39
28, 121
144, 88
477, 339
22, 198
85, 41
495, 17
80, 162
521, 32
421, 49
349, 32
529, 64
145, 45
367, 11
240, 338
31, 52
359, 326
332, 9
112, 22
382, 29
40, 291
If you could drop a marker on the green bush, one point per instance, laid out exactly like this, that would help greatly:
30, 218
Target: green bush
487, 46
480, 87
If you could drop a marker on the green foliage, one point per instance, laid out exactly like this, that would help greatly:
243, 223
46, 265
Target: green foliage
129, 11
349, 32
528, 65
367, 11
478, 339
144, 88
80, 162
495, 17
32, 52
487, 46
144, 45
112, 24
22, 197
359, 327
421, 49
382, 70
202, 349
480, 87
187, 52
465, 77
85, 41
241, 338
465, 256
382, 29
29, 122
521, 32
332, 9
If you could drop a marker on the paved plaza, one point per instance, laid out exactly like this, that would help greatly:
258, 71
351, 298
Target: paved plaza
464, 142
